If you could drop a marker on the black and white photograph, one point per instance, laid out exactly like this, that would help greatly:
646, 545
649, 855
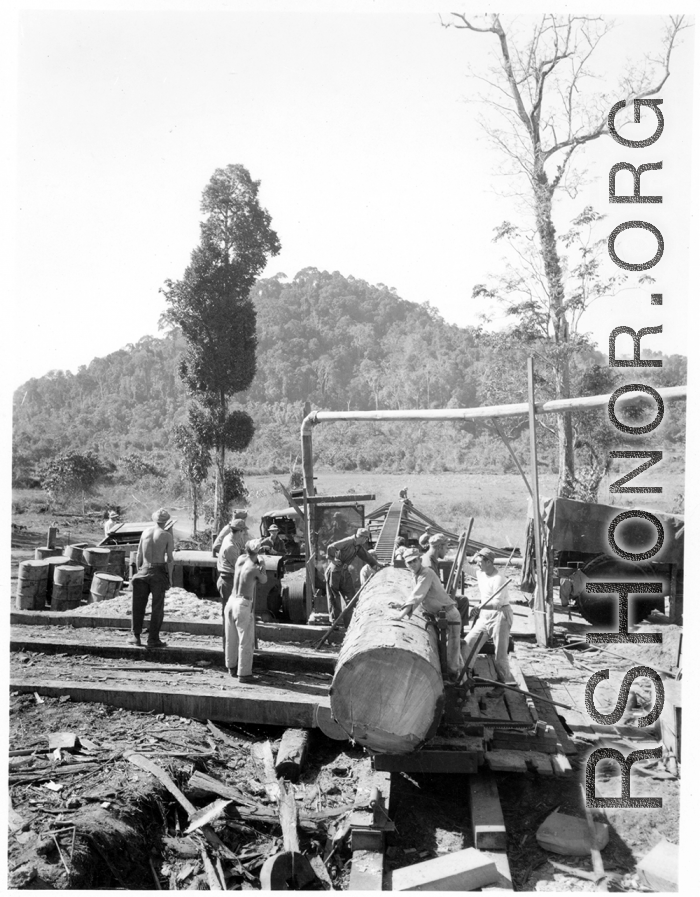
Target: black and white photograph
346, 419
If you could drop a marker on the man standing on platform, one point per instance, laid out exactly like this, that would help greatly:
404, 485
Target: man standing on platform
494, 618
232, 546
239, 613
340, 587
154, 560
430, 592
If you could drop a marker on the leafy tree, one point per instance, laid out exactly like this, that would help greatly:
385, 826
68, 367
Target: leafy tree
194, 465
212, 306
136, 467
540, 88
72, 474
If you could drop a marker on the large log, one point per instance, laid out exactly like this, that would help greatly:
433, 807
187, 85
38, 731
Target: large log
387, 691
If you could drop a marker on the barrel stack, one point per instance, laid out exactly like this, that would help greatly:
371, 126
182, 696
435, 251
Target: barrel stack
387, 692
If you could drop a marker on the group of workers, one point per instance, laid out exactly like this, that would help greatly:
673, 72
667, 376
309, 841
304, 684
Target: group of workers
240, 567
492, 618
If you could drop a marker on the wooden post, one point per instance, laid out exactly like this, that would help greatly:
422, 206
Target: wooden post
549, 590
51, 537
307, 463
538, 610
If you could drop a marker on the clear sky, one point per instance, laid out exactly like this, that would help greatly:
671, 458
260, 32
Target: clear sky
358, 123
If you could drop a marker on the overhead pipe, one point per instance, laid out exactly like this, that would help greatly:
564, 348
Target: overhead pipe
556, 406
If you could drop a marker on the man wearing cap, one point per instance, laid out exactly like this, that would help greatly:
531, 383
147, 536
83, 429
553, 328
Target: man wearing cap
154, 559
494, 618
339, 584
437, 548
239, 613
232, 546
367, 572
430, 592
235, 515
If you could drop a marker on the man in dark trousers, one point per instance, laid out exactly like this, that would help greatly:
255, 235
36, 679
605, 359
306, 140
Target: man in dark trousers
155, 570
339, 584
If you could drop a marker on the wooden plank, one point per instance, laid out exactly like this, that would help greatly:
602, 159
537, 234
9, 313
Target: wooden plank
517, 707
515, 743
549, 714
472, 743
505, 761
269, 632
464, 870
539, 763
428, 761
294, 661
521, 684
237, 704
263, 759
504, 882
367, 869
560, 764
488, 826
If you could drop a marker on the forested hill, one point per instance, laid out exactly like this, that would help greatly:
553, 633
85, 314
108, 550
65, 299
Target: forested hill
335, 341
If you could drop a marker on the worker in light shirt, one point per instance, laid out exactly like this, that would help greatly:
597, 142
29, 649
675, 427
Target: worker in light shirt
430, 592
493, 618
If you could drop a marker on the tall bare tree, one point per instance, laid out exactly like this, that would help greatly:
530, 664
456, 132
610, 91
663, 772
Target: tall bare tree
543, 87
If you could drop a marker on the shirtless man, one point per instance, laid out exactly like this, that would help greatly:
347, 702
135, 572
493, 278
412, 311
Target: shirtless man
155, 570
239, 614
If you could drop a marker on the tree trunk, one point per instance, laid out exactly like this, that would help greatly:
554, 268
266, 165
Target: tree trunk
555, 286
387, 691
219, 498
195, 492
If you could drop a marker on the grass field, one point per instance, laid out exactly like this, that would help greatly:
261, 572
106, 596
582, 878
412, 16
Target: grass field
498, 503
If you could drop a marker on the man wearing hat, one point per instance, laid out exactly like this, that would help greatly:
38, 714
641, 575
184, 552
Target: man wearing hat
112, 522
154, 559
494, 618
239, 514
274, 542
239, 613
430, 592
232, 547
339, 584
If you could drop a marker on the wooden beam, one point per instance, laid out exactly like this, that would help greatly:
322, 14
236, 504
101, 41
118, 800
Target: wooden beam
269, 632
429, 761
294, 661
254, 704
488, 826
332, 499
367, 869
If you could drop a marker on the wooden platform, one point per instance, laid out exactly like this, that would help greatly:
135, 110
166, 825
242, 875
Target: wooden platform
272, 632
201, 698
301, 661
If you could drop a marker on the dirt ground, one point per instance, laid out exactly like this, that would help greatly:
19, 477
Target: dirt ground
107, 823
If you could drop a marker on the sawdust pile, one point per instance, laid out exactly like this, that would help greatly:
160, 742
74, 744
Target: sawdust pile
179, 604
